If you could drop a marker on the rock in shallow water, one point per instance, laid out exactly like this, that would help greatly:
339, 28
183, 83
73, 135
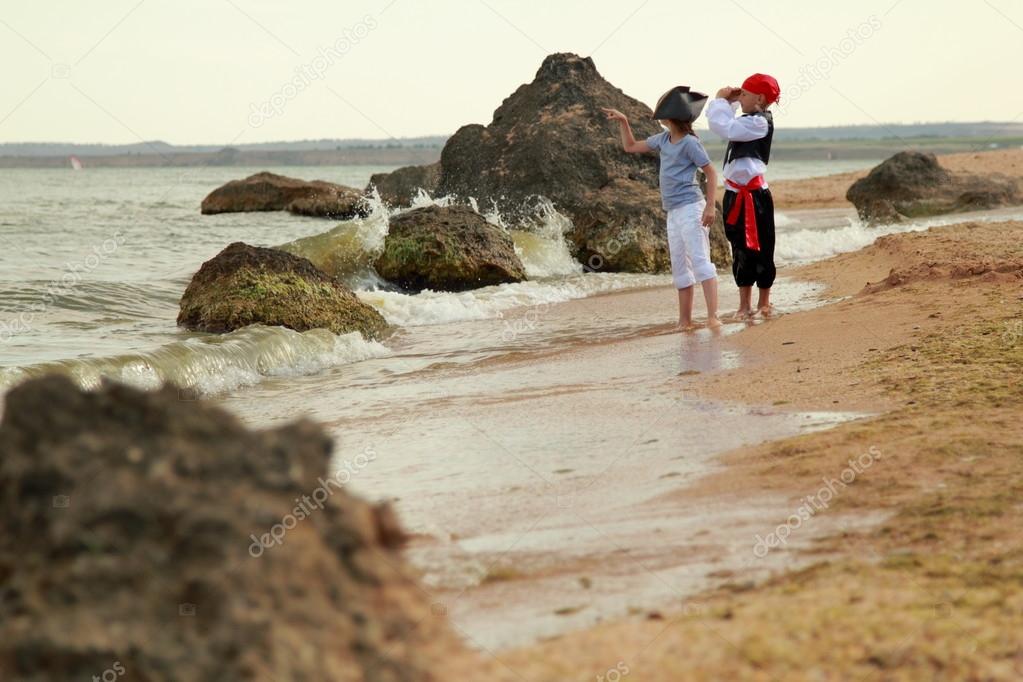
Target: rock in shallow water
913, 185
400, 187
245, 285
550, 138
450, 248
271, 192
126, 524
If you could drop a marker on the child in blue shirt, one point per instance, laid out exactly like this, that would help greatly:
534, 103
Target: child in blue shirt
689, 214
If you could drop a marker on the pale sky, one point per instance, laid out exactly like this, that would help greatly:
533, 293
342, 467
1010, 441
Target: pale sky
195, 71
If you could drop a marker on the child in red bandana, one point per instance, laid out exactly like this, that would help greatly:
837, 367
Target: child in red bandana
748, 205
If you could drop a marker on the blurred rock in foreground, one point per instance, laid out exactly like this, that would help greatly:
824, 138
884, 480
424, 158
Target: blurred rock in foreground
126, 549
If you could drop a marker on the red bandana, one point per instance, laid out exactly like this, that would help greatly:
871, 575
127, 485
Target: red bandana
762, 84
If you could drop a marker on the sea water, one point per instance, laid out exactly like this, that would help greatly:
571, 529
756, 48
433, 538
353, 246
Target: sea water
93, 264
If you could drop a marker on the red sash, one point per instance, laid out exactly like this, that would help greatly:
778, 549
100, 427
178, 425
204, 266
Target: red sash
746, 198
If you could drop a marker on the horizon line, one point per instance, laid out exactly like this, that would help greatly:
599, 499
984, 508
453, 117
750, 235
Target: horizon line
448, 135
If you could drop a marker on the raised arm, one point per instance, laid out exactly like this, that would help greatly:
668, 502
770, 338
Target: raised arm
722, 120
629, 142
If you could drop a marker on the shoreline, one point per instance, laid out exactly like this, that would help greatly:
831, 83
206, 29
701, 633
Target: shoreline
529, 478
916, 593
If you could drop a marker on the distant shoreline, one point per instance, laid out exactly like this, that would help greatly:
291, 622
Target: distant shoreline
385, 156
406, 155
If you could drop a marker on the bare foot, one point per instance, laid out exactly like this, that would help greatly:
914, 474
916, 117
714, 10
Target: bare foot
766, 311
685, 326
713, 323
742, 314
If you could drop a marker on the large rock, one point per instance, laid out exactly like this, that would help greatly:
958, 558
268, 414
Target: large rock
400, 187
550, 138
245, 285
126, 550
447, 249
913, 184
270, 192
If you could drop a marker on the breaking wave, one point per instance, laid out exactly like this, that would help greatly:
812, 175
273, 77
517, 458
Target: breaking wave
212, 364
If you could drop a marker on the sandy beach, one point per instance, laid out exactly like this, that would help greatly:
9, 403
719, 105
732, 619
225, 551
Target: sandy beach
911, 564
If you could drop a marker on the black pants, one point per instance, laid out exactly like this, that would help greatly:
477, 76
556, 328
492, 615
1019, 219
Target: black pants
752, 267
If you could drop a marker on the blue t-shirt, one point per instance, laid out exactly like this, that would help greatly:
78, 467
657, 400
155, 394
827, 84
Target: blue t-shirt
679, 162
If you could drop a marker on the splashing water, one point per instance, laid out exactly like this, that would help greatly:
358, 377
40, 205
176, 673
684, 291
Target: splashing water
348, 250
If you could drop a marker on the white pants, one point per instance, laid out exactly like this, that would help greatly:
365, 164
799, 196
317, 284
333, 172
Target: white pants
689, 245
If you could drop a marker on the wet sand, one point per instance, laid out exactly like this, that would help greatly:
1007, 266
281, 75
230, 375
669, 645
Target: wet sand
588, 492
535, 470
925, 584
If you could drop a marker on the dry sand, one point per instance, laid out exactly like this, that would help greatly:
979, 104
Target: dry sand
829, 191
935, 343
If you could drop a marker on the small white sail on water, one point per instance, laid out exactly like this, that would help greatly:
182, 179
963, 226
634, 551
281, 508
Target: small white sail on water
76, 163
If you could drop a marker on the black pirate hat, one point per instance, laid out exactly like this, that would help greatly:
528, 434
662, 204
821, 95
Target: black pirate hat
681, 104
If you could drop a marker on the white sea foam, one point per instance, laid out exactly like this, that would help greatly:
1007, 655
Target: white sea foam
783, 220
806, 245
214, 364
438, 307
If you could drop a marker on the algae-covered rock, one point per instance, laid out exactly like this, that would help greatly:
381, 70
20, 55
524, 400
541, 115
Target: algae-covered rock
245, 285
450, 248
147, 537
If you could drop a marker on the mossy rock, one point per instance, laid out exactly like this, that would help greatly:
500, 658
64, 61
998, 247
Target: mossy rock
245, 285
447, 248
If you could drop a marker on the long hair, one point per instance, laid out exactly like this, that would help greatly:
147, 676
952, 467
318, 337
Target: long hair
685, 126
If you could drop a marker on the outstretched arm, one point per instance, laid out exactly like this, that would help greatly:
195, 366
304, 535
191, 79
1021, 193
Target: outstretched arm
629, 142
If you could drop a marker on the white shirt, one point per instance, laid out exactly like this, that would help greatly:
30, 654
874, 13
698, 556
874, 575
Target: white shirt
721, 116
